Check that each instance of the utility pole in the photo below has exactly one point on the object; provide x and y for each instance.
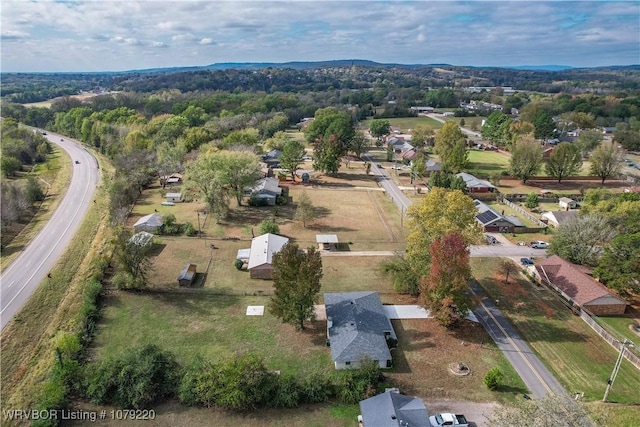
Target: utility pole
(616, 367)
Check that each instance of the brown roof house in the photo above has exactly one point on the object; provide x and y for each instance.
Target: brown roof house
(261, 254)
(579, 287)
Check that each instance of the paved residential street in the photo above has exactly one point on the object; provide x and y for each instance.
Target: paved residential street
(22, 277)
(535, 375)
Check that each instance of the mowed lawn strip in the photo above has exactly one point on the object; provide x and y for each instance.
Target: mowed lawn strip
(576, 355)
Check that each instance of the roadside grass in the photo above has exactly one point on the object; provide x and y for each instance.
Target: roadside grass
(576, 355)
(56, 172)
(616, 415)
(27, 345)
(483, 164)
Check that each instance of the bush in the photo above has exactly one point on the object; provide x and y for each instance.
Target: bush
(33, 191)
(256, 202)
(316, 388)
(238, 263)
(493, 379)
(532, 201)
(287, 392)
(169, 225)
(281, 200)
(138, 379)
(189, 230)
(269, 226)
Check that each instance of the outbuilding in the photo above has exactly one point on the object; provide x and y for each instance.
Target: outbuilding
(327, 242)
(567, 203)
(187, 274)
(149, 223)
(174, 197)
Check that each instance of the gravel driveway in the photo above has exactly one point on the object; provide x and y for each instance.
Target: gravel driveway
(476, 413)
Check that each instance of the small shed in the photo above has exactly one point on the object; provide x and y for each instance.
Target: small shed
(187, 274)
(327, 242)
(149, 223)
(174, 197)
(567, 203)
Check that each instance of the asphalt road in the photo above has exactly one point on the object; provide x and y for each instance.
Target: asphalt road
(21, 278)
(535, 375)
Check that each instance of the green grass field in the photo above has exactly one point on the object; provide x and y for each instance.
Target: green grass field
(487, 163)
(576, 355)
(406, 123)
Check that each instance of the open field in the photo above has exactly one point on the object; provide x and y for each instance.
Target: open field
(406, 123)
(48, 103)
(487, 163)
(567, 186)
(576, 355)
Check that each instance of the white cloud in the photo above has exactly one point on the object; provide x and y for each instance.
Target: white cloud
(579, 33)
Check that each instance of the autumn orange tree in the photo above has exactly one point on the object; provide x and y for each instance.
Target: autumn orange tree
(444, 291)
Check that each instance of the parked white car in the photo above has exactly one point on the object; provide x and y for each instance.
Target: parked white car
(539, 245)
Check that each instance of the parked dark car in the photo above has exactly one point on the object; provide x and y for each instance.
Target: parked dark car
(526, 261)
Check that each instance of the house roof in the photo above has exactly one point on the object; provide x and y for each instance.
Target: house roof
(392, 409)
(266, 185)
(151, 220)
(263, 247)
(356, 324)
(326, 238)
(433, 166)
(560, 217)
(174, 195)
(566, 200)
(487, 216)
(473, 182)
(568, 278)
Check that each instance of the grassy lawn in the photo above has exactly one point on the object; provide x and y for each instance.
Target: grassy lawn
(619, 327)
(406, 123)
(577, 356)
(487, 163)
(512, 186)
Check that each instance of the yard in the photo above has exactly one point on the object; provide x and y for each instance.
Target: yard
(576, 355)
(567, 186)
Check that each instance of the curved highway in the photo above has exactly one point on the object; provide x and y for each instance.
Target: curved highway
(21, 278)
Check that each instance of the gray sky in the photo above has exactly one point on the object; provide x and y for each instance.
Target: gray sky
(101, 35)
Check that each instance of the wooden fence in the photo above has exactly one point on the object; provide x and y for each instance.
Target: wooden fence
(523, 212)
(615, 343)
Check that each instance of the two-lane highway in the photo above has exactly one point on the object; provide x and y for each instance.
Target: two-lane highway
(20, 279)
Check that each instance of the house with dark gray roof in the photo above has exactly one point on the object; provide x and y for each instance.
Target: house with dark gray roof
(357, 328)
(392, 409)
(493, 222)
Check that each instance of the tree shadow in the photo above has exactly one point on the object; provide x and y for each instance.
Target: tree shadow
(192, 303)
(156, 249)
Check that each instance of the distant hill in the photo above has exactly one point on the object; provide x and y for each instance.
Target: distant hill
(541, 67)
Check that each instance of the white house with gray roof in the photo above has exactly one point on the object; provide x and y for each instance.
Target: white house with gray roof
(392, 409)
(357, 328)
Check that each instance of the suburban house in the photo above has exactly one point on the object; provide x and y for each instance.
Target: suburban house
(261, 254)
(432, 166)
(150, 223)
(267, 188)
(567, 203)
(357, 328)
(187, 274)
(578, 287)
(422, 110)
(401, 148)
(492, 222)
(174, 197)
(272, 157)
(392, 409)
(327, 242)
(557, 218)
(475, 185)
(174, 178)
